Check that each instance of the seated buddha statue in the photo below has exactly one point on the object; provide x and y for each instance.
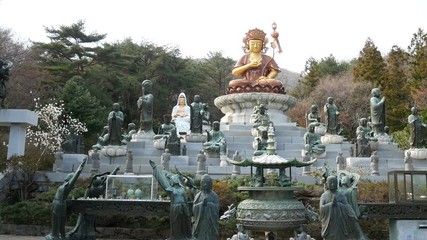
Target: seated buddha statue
(258, 71)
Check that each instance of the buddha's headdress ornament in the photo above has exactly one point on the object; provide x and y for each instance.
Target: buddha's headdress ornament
(257, 34)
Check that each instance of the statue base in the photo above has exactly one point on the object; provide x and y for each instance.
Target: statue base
(314, 155)
(359, 162)
(238, 107)
(223, 161)
(195, 137)
(160, 143)
(142, 136)
(383, 139)
(321, 130)
(418, 153)
(332, 139)
(113, 151)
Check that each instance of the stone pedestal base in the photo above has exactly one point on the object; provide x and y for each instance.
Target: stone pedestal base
(195, 137)
(383, 139)
(321, 130)
(418, 153)
(332, 139)
(113, 151)
(238, 107)
(142, 136)
(223, 161)
(314, 155)
(159, 144)
(357, 162)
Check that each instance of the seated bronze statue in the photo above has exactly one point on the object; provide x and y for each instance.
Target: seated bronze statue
(257, 69)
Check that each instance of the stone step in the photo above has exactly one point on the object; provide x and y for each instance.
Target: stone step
(246, 127)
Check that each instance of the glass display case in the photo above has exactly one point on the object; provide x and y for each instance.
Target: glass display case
(407, 186)
(136, 187)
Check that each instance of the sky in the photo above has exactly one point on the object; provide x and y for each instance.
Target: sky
(307, 28)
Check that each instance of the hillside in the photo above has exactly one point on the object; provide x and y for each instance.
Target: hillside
(289, 79)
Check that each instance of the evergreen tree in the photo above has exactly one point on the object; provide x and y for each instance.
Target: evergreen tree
(330, 66)
(396, 89)
(418, 59)
(370, 65)
(314, 71)
(69, 52)
(80, 104)
(311, 76)
(216, 74)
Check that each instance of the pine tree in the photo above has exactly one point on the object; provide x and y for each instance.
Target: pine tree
(418, 59)
(370, 65)
(69, 52)
(396, 89)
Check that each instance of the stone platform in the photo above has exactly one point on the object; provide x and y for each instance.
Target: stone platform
(239, 107)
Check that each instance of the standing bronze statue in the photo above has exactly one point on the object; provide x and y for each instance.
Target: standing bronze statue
(377, 112)
(206, 211)
(115, 124)
(5, 67)
(180, 219)
(145, 107)
(417, 129)
(59, 209)
(197, 115)
(332, 123)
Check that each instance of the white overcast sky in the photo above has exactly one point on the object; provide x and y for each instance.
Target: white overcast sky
(307, 28)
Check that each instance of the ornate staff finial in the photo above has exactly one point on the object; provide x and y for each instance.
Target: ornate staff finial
(275, 43)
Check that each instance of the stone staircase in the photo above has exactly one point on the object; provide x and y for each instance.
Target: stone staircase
(289, 140)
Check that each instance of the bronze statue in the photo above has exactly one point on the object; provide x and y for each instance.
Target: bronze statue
(333, 125)
(417, 129)
(216, 140)
(131, 131)
(5, 67)
(85, 226)
(377, 112)
(115, 124)
(180, 219)
(197, 115)
(145, 106)
(206, 211)
(313, 116)
(312, 141)
(258, 71)
(59, 210)
(363, 139)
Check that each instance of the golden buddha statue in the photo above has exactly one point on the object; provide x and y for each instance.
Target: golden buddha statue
(257, 69)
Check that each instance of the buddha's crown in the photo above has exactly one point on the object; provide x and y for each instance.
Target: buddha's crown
(255, 34)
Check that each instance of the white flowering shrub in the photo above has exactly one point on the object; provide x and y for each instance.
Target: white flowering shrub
(53, 127)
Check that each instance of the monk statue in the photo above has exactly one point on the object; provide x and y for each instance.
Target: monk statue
(257, 70)
(5, 67)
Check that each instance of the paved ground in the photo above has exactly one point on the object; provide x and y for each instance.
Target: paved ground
(11, 237)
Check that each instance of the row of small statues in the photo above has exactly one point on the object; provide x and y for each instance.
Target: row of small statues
(333, 124)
